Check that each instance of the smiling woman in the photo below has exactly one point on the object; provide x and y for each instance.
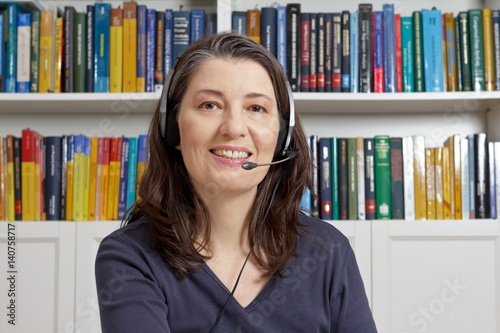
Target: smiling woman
(204, 224)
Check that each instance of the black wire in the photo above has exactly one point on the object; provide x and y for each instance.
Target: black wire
(219, 316)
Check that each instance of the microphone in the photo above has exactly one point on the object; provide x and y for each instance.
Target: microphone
(290, 154)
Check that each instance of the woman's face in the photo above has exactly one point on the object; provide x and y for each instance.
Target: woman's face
(228, 116)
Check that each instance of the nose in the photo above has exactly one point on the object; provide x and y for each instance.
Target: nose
(234, 123)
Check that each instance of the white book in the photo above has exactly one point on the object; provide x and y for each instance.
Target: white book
(408, 181)
(23, 53)
(497, 174)
(361, 178)
(492, 181)
(464, 171)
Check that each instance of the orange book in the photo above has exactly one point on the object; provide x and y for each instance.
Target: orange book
(112, 178)
(430, 172)
(3, 183)
(438, 159)
(28, 186)
(451, 51)
(129, 46)
(445, 57)
(116, 51)
(253, 24)
(46, 53)
(94, 141)
(117, 177)
(446, 184)
(58, 55)
(453, 143)
(419, 177)
(489, 60)
(104, 179)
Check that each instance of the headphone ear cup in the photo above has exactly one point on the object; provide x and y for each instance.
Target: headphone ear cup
(281, 140)
(172, 129)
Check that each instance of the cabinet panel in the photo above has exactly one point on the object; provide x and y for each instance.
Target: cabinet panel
(41, 278)
(436, 276)
(89, 236)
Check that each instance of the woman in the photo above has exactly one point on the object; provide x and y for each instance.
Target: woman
(173, 266)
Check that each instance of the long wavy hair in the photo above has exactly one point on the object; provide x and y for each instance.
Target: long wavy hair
(176, 213)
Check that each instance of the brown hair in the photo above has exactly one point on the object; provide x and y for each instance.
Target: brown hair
(176, 213)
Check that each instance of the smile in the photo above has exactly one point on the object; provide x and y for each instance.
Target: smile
(230, 154)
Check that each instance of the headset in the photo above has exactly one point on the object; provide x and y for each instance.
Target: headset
(169, 128)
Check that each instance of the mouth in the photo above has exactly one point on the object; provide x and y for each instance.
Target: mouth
(231, 154)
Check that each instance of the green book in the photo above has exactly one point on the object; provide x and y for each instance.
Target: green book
(458, 51)
(418, 52)
(334, 176)
(407, 47)
(35, 49)
(476, 49)
(463, 25)
(383, 176)
(79, 51)
(352, 178)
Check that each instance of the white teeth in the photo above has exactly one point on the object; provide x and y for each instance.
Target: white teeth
(231, 154)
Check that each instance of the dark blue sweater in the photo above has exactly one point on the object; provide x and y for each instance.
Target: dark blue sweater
(322, 291)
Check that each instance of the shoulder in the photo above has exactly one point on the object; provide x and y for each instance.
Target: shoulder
(321, 232)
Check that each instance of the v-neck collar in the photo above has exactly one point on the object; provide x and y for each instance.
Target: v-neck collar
(261, 295)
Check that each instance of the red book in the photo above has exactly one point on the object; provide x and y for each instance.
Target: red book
(399, 54)
(28, 175)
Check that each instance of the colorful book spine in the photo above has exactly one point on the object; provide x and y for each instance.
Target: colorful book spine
(476, 49)
(370, 198)
(69, 28)
(409, 186)
(150, 49)
(444, 52)
(169, 35)
(334, 176)
(112, 178)
(253, 24)
(305, 202)
(10, 179)
(497, 177)
(324, 147)
(281, 37)
(378, 52)
(103, 214)
(98, 190)
(481, 176)
(92, 171)
(465, 51)
(438, 169)
(447, 211)
(118, 166)
(352, 180)
(101, 46)
(116, 51)
(70, 177)
(316, 194)
(456, 169)
(321, 45)
(239, 22)
(389, 48)
(360, 154)
(2, 20)
(64, 174)
(268, 25)
(397, 185)
(124, 167)
(418, 53)
(399, 53)
(142, 156)
(305, 52)
(10, 36)
(181, 32)
(23, 53)
(160, 48)
(472, 176)
(451, 52)
(197, 26)
(129, 46)
(4, 214)
(17, 179)
(495, 16)
(491, 181)
(365, 49)
(46, 64)
(132, 173)
(28, 175)
(293, 45)
(430, 180)
(354, 52)
(458, 55)
(407, 57)
(346, 51)
(432, 33)
(328, 41)
(78, 177)
(464, 175)
(489, 59)
(419, 177)
(141, 48)
(343, 179)
(79, 52)
(89, 67)
(58, 56)
(383, 176)
(313, 66)
(53, 160)
(336, 53)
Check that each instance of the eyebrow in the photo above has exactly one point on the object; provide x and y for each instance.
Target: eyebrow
(221, 94)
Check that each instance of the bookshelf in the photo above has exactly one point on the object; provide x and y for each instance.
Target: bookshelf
(440, 251)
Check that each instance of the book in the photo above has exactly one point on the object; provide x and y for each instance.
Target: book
(315, 191)
(382, 150)
(365, 49)
(23, 53)
(79, 52)
(132, 173)
(10, 37)
(160, 47)
(169, 35)
(354, 49)
(305, 202)
(142, 157)
(313, 65)
(334, 178)
(352, 180)
(497, 176)
(53, 158)
(103, 214)
(438, 171)
(239, 22)
(481, 176)
(444, 52)
(489, 60)
(116, 51)
(321, 46)
(389, 48)
(118, 166)
(93, 179)
(102, 20)
(472, 176)
(98, 179)
(433, 50)
(452, 84)
(399, 53)
(34, 50)
(419, 177)
(418, 53)
(129, 69)
(397, 185)
(465, 50)
(464, 175)
(268, 29)
(197, 25)
(491, 181)
(476, 49)
(430, 179)
(10, 178)
(210, 24)
(253, 24)
(336, 52)
(28, 175)
(458, 50)
(407, 56)
(79, 172)
(343, 176)
(328, 49)
(58, 57)
(69, 40)
(408, 184)
(181, 32)
(141, 48)
(305, 52)
(281, 38)
(378, 52)
(89, 67)
(447, 184)
(150, 49)
(70, 177)
(64, 174)
(360, 152)
(124, 167)
(324, 148)
(4, 214)
(453, 143)
(112, 179)
(46, 63)
(346, 51)
(496, 46)
(370, 198)
(2, 21)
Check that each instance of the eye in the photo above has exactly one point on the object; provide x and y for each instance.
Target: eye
(208, 106)
(257, 109)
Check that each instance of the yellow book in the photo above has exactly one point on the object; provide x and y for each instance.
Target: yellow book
(140, 171)
(129, 46)
(3, 184)
(46, 53)
(450, 52)
(58, 55)
(86, 180)
(419, 177)
(103, 215)
(489, 60)
(116, 51)
(117, 177)
(10, 179)
(445, 65)
(28, 175)
(430, 171)
(112, 177)
(93, 178)
(446, 184)
(253, 24)
(78, 177)
(449, 143)
(438, 161)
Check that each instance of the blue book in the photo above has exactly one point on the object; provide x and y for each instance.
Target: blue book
(141, 48)
(150, 49)
(305, 203)
(370, 199)
(378, 52)
(142, 148)
(101, 46)
(1, 52)
(324, 148)
(53, 160)
(268, 29)
(23, 53)
(495, 14)
(197, 26)
(472, 177)
(281, 37)
(132, 173)
(11, 48)
(210, 24)
(239, 22)
(389, 49)
(432, 33)
(407, 53)
(491, 183)
(169, 35)
(354, 52)
(89, 67)
(122, 192)
(334, 176)
(181, 32)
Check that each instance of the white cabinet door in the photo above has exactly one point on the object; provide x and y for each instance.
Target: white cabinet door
(359, 235)
(89, 236)
(38, 272)
(436, 276)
